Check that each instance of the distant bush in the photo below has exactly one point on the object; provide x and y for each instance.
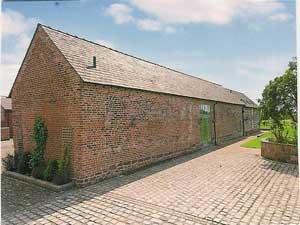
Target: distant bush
(265, 124)
(51, 170)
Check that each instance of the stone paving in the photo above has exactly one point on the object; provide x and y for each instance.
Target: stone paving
(230, 185)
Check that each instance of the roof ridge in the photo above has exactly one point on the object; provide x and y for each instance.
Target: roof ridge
(144, 60)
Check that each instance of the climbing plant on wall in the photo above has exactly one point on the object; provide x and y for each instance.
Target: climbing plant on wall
(40, 138)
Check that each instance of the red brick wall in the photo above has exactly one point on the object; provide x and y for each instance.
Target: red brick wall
(10, 123)
(251, 117)
(279, 152)
(5, 133)
(3, 121)
(228, 122)
(48, 87)
(6, 120)
(125, 129)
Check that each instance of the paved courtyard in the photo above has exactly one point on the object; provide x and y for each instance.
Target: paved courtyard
(229, 185)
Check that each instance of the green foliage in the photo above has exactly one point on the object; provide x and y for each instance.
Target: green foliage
(18, 162)
(23, 165)
(40, 138)
(40, 132)
(9, 162)
(64, 161)
(256, 142)
(279, 102)
(288, 135)
(289, 132)
(63, 174)
(51, 170)
(265, 124)
(38, 171)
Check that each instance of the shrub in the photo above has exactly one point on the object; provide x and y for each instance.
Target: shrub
(63, 173)
(64, 161)
(40, 138)
(23, 165)
(59, 180)
(51, 170)
(9, 162)
(38, 171)
(37, 162)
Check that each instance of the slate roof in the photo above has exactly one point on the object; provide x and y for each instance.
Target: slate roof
(120, 69)
(6, 103)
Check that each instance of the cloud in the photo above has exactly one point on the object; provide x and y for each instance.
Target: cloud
(170, 30)
(263, 68)
(105, 43)
(8, 74)
(149, 25)
(120, 12)
(14, 23)
(16, 29)
(154, 25)
(254, 74)
(203, 11)
(280, 17)
(164, 15)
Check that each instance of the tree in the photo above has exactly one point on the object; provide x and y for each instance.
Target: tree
(279, 99)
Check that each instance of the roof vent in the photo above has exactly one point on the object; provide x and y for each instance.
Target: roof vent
(94, 63)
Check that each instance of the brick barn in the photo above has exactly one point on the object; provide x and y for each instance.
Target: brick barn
(118, 111)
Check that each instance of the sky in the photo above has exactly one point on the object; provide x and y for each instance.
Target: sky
(240, 44)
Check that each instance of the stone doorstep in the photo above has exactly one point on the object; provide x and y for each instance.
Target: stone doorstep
(40, 183)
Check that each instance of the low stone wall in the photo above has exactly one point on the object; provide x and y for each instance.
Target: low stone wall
(41, 183)
(5, 135)
(279, 152)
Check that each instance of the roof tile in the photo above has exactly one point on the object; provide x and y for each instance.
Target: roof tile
(120, 69)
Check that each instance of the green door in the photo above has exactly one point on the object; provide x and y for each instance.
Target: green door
(205, 125)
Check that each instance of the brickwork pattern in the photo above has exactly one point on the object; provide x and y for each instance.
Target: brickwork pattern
(228, 186)
(5, 133)
(280, 152)
(228, 122)
(251, 119)
(48, 87)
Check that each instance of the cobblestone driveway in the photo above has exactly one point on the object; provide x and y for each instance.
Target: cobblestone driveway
(231, 185)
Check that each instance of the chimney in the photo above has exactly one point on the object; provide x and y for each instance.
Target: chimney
(94, 63)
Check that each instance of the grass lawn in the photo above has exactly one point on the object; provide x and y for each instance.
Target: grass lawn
(256, 143)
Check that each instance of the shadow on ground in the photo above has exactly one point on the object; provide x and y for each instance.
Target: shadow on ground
(97, 190)
(18, 196)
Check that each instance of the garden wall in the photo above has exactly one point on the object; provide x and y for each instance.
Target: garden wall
(279, 152)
